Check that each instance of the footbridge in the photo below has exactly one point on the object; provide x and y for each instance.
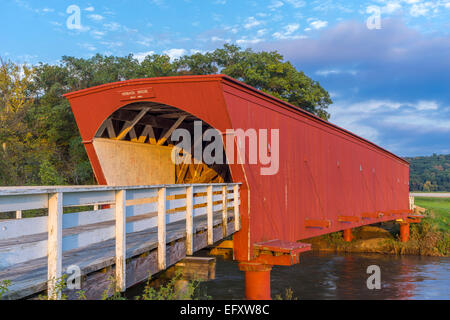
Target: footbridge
(279, 175)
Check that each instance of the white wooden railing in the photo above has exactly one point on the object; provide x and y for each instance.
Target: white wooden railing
(144, 207)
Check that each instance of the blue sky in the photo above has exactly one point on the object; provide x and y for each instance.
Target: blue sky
(389, 84)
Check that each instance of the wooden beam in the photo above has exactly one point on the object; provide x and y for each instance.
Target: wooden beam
(149, 118)
(367, 215)
(121, 243)
(55, 213)
(162, 194)
(169, 132)
(197, 268)
(173, 115)
(101, 129)
(183, 170)
(237, 225)
(224, 212)
(348, 219)
(131, 133)
(209, 213)
(148, 131)
(190, 220)
(207, 175)
(131, 124)
(110, 127)
(315, 223)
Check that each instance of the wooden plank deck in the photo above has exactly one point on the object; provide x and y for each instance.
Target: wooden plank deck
(30, 277)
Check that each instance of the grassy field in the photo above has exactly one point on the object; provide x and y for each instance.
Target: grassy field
(439, 209)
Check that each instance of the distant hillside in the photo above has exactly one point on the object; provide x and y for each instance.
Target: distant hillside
(429, 173)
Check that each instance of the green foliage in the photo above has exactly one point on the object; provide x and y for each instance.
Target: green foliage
(175, 289)
(59, 285)
(288, 295)
(335, 239)
(49, 175)
(428, 239)
(112, 293)
(438, 211)
(430, 173)
(266, 71)
(4, 284)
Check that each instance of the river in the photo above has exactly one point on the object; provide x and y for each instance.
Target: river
(344, 276)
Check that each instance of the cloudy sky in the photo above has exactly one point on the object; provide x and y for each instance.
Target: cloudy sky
(385, 63)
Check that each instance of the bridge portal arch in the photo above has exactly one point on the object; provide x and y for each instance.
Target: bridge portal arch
(135, 145)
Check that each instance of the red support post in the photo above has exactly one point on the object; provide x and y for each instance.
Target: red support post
(348, 236)
(404, 232)
(257, 280)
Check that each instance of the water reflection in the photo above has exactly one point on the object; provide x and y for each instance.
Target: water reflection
(334, 276)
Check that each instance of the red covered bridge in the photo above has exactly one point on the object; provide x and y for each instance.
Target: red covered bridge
(288, 176)
(328, 179)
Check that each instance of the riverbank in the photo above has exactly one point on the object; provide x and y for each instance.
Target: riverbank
(429, 238)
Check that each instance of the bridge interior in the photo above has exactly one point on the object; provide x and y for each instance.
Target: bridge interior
(150, 126)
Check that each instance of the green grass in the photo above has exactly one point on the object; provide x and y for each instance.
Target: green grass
(439, 209)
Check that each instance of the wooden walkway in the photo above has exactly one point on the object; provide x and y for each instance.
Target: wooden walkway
(195, 216)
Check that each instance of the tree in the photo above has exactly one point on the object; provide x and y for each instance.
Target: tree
(15, 101)
(266, 71)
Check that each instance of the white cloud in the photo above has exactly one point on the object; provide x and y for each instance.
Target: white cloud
(175, 53)
(391, 7)
(140, 56)
(318, 24)
(296, 3)
(252, 22)
(96, 17)
(87, 46)
(288, 32)
(261, 32)
(89, 9)
(97, 34)
(157, 2)
(112, 26)
(112, 44)
(419, 10)
(275, 5)
(219, 39)
(426, 105)
(370, 118)
(47, 10)
(146, 41)
(245, 41)
(327, 72)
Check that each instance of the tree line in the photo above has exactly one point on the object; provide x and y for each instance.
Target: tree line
(429, 173)
(39, 139)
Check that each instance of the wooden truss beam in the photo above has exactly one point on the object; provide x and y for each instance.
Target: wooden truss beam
(129, 125)
(148, 131)
(172, 128)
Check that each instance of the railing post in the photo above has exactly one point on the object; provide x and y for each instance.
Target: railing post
(224, 212)
(54, 246)
(19, 214)
(121, 243)
(236, 208)
(190, 220)
(209, 213)
(162, 193)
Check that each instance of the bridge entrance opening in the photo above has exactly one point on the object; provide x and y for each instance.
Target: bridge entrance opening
(134, 146)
